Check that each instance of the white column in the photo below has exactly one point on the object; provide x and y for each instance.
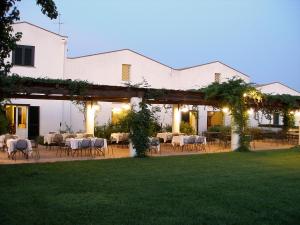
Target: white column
(235, 138)
(134, 102)
(90, 118)
(176, 119)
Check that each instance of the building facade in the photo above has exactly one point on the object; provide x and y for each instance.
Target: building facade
(42, 53)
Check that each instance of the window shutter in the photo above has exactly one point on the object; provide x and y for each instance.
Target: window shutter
(17, 56)
(28, 57)
(217, 77)
(125, 72)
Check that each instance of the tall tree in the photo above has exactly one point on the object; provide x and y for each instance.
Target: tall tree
(9, 13)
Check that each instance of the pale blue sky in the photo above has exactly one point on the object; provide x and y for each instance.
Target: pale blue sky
(258, 37)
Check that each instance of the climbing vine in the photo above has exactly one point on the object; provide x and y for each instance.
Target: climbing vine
(237, 96)
(284, 105)
(10, 83)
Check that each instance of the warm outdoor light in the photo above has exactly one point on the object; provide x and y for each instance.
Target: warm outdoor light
(292, 112)
(245, 95)
(185, 109)
(297, 113)
(250, 111)
(116, 110)
(126, 106)
(225, 110)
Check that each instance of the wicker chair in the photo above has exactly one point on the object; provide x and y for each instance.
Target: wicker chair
(199, 143)
(57, 141)
(99, 147)
(190, 142)
(154, 145)
(35, 150)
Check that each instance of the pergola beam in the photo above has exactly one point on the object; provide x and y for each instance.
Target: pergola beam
(107, 93)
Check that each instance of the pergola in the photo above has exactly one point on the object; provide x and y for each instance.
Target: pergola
(106, 93)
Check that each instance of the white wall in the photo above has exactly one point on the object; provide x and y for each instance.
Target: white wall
(49, 52)
(201, 76)
(106, 68)
(277, 88)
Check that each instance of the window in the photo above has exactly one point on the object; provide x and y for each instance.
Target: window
(276, 119)
(23, 55)
(126, 72)
(217, 77)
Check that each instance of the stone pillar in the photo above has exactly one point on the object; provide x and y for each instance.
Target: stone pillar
(235, 138)
(134, 102)
(176, 119)
(90, 118)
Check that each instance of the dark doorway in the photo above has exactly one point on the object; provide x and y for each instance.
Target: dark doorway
(33, 122)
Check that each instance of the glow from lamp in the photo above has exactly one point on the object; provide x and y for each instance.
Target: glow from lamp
(126, 106)
(185, 109)
(250, 111)
(116, 110)
(225, 110)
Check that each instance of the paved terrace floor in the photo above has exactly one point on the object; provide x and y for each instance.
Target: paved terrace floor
(50, 155)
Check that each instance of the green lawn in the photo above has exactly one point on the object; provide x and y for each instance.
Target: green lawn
(226, 188)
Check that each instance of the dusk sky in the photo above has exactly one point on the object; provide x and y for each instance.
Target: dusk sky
(258, 37)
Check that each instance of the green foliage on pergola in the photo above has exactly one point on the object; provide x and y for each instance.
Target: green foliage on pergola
(240, 97)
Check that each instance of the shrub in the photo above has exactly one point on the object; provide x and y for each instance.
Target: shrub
(167, 128)
(186, 128)
(220, 128)
(104, 131)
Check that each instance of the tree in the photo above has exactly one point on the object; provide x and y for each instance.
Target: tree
(9, 14)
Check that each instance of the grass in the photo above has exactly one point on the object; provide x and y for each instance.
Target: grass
(226, 188)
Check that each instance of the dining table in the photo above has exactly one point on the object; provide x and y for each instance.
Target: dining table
(166, 136)
(181, 139)
(11, 146)
(117, 137)
(75, 143)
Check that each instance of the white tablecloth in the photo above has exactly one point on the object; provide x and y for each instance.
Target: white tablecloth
(179, 140)
(119, 137)
(167, 136)
(75, 142)
(11, 145)
(48, 138)
(2, 139)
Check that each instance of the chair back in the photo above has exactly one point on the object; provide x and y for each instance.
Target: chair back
(71, 136)
(99, 143)
(154, 142)
(191, 140)
(199, 140)
(86, 143)
(88, 135)
(21, 144)
(58, 138)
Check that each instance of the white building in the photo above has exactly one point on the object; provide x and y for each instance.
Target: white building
(42, 53)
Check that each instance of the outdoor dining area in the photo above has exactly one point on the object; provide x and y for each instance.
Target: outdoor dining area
(56, 146)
